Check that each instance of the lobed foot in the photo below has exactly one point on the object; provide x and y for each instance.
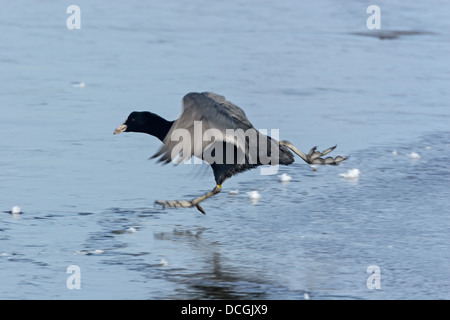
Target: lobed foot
(179, 204)
(188, 204)
(314, 156)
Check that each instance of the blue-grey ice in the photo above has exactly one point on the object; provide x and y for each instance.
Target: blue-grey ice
(309, 69)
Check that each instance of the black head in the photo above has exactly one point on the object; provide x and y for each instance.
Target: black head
(145, 122)
(136, 122)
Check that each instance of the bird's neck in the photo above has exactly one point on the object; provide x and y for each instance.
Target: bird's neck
(160, 128)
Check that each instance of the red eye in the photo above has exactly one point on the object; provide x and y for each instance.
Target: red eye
(132, 119)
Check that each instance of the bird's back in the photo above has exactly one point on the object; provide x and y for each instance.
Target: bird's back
(214, 105)
(240, 161)
(213, 111)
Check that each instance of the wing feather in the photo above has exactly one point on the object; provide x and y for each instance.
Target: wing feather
(212, 111)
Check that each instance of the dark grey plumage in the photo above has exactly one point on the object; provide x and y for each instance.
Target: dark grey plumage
(215, 112)
(237, 146)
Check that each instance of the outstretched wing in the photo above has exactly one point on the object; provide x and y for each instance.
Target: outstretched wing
(202, 112)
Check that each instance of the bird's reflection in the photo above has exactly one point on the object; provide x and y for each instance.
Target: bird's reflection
(217, 280)
(221, 283)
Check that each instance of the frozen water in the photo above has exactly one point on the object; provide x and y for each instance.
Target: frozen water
(310, 69)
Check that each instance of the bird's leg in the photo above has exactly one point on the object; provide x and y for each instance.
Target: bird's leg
(313, 157)
(187, 204)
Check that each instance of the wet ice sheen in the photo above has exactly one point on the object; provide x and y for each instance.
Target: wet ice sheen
(300, 67)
